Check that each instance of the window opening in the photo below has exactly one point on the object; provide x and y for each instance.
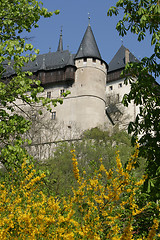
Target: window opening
(53, 116)
(48, 94)
(110, 88)
(117, 97)
(61, 92)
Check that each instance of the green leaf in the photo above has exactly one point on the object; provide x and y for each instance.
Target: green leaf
(57, 12)
(149, 187)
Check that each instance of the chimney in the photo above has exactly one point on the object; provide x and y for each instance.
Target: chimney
(126, 56)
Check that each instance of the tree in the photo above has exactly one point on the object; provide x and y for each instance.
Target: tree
(101, 206)
(94, 144)
(17, 17)
(142, 17)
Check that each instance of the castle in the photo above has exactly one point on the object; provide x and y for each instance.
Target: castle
(96, 91)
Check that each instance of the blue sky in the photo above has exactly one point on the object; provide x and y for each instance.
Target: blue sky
(74, 19)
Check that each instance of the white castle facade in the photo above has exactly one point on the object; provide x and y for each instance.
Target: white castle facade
(96, 91)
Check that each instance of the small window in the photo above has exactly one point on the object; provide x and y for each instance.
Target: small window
(53, 115)
(110, 88)
(48, 94)
(85, 59)
(117, 97)
(94, 60)
(61, 92)
(120, 85)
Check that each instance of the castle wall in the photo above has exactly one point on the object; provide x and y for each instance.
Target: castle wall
(84, 107)
(115, 91)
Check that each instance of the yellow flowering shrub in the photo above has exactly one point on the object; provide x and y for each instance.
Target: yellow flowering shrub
(101, 207)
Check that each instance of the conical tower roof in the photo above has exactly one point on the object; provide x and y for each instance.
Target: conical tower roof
(88, 47)
(118, 60)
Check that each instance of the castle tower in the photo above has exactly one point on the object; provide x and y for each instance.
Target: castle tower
(90, 83)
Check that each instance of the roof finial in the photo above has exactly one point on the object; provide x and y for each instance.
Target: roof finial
(89, 18)
(61, 30)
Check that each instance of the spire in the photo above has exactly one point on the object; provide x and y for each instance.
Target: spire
(89, 18)
(88, 46)
(60, 45)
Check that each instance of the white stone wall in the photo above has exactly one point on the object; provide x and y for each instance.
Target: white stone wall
(114, 92)
(90, 82)
(83, 109)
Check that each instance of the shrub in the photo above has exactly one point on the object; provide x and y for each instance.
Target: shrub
(103, 206)
(94, 144)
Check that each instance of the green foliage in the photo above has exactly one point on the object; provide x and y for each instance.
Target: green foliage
(95, 144)
(145, 218)
(102, 206)
(142, 17)
(16, 17)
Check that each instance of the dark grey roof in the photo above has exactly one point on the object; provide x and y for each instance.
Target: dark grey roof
(118, 60)
(52, 60)
(48, 61)
(71, 60)
(88, 46)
